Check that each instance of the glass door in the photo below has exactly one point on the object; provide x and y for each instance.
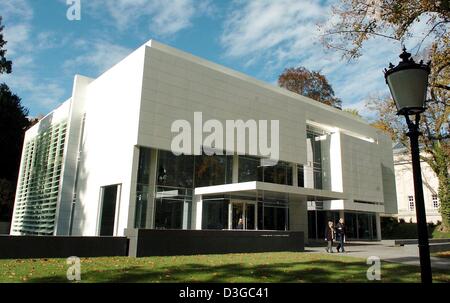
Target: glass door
(242, 215)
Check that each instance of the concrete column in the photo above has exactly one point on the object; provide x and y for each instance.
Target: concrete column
(341, 214)
(298, 215)
(235, 173)
(186, 214)
(294, 175)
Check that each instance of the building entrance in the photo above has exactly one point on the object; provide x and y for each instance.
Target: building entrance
(242, 215)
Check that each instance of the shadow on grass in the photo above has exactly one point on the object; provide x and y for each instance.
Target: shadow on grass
(319, 271)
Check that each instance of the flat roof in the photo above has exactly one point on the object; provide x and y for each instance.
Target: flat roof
(255, 186)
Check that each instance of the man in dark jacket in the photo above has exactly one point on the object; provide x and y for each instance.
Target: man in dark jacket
(340, 235)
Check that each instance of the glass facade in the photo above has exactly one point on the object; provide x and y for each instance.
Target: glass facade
(175, 171)
(172, 208)
(225, 211)
(215, 212)
(255, 169)
(175, 182)
(176, 177)
(358, 225)
(213, 170)
(317, 170)
(143, 191)
(38, 185)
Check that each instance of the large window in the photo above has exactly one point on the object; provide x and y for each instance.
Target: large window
(215, 213)
(255, 169)
(175, 180)
(143, 192)
(300, 176)
(317, 170)
(358, 225)
(175, 171)
(281, 173)
(273, 211)
(249, 169)
(272, 216)
(213, 170)
(172, 208)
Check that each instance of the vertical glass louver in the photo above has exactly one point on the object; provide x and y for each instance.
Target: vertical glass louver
(38, 186)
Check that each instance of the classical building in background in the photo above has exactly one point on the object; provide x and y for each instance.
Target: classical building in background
(101, 163)
(405, 190)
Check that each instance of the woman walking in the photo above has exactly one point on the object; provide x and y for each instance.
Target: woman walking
(329, 236)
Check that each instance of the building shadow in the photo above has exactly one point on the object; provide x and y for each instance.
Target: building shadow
(317, 271)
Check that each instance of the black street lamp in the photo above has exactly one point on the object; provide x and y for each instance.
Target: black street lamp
(408, 83)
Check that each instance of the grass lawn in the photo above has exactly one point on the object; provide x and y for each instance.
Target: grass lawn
(258, 267)
(440, 235)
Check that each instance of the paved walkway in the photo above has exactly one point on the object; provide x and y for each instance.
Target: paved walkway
(386, 251)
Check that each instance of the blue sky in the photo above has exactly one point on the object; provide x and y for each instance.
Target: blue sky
(259, 38)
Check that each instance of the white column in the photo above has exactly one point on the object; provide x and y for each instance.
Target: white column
(198, 200)
(298, 215)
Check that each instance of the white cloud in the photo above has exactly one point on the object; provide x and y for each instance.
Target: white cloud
(260, 25)
(98, 57)
(163, 17)
(23, 47)
(283, 33)
(12, 9)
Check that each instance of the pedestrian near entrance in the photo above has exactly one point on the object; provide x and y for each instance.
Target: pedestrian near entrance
(340, 235)
(240, 224)
(329, 236)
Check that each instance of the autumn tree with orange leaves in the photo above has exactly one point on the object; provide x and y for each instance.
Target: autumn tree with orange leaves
(361, 20)
(311, 84)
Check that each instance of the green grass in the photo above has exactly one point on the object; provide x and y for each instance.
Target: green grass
(440, 235)
(261, 267)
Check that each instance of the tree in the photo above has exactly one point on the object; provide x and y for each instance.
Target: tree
(353, 111)
(361, 20)
(311, 84)
(5, 65)
(13, 123)
(7, 190)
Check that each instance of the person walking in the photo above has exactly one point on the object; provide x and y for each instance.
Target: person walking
(240, 224)
(340, 235)
(329, 236)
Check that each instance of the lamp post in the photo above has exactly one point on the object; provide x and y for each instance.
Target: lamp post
(408, 83)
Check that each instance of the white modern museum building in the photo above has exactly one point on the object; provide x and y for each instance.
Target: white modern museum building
(102, 163)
